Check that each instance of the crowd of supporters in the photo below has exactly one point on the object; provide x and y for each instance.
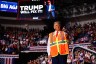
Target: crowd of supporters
(85, 33)
(79, 56)
(82, 33)
(43, 59)
(14, 39)
(84, 57)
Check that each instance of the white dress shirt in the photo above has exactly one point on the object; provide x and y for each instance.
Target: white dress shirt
(49, 8)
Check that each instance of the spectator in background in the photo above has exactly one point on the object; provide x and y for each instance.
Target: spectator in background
(93, 59)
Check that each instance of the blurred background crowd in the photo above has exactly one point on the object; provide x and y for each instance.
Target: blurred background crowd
(82, 33)
(80, 56)
(42, 59)
(14, 39)
(84, 57)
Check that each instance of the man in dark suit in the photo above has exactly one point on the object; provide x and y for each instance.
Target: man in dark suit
(50, 9)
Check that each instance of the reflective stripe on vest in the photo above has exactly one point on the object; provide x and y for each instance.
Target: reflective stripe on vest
(60, 42)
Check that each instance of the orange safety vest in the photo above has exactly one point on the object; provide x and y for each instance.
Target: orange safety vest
(60, 46)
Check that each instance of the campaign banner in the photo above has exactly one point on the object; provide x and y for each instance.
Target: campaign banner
(31, 9)
(36, 10)
(8, 6)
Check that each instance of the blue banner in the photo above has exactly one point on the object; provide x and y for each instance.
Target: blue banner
(8, 6)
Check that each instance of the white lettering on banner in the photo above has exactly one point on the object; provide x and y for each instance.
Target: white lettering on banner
(34, 7)
(21, 7)
(35, 17)
(40, 11)
(4, 6)
(34, 11)
(31, 9)
(26, 12)
(12, 7)
(40, 6)
(26, 8)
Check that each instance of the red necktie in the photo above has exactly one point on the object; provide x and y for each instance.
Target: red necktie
(56, 33)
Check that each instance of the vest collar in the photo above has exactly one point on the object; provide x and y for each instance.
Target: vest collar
(54, 33)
